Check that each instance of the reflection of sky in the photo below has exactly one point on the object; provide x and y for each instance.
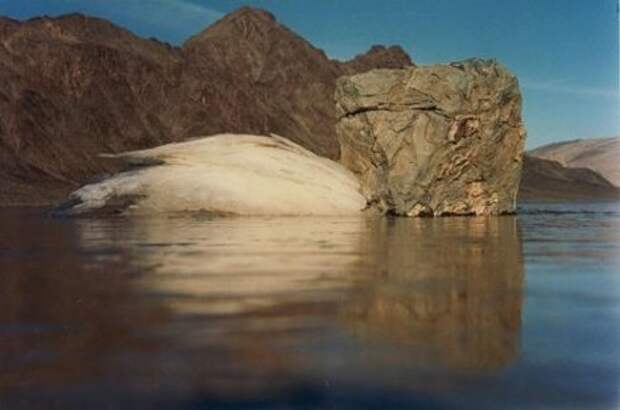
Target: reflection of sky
(564, 52)
(572, 305)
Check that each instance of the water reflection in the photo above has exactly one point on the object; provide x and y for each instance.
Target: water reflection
(254, 307)
(232, 266)
(452, 287)
(65, 320)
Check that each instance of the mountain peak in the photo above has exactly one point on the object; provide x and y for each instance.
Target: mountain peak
(378, 56)
(245, 22)
(252, 13)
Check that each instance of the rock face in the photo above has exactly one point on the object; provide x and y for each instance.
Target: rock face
(435, 140)
(74, 86)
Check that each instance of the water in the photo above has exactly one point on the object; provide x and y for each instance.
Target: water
(192, 312)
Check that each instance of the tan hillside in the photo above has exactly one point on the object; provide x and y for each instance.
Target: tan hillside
(601, 155)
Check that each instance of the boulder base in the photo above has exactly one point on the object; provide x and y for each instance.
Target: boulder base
(434, 140)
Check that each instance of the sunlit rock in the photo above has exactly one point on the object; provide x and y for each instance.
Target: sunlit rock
(434, 140)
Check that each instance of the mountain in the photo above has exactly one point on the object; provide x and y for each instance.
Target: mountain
(547, 180)
(600, 155)
(76, 86)
(73, 87)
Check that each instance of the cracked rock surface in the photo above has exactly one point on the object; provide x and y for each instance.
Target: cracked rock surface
(434, 140)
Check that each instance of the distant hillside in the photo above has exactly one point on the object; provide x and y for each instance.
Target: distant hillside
(545, 180)
(600, 155)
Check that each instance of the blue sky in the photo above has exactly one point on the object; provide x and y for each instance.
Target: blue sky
(565, 52)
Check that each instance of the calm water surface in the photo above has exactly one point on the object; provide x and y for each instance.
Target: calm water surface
(358, 313)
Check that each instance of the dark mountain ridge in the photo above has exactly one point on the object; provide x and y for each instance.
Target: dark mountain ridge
(72, 87)
(75, 86)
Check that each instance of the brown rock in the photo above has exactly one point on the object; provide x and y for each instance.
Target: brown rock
(435, 140)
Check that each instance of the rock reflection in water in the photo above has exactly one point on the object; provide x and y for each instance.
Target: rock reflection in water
(452, 287)
(246, 292)
(237, 265)
(106, 310)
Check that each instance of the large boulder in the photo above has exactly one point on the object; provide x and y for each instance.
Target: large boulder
(434, 140)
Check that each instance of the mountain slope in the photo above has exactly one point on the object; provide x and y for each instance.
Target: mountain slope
(546, 180)
(600, 155)
(76, 86)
